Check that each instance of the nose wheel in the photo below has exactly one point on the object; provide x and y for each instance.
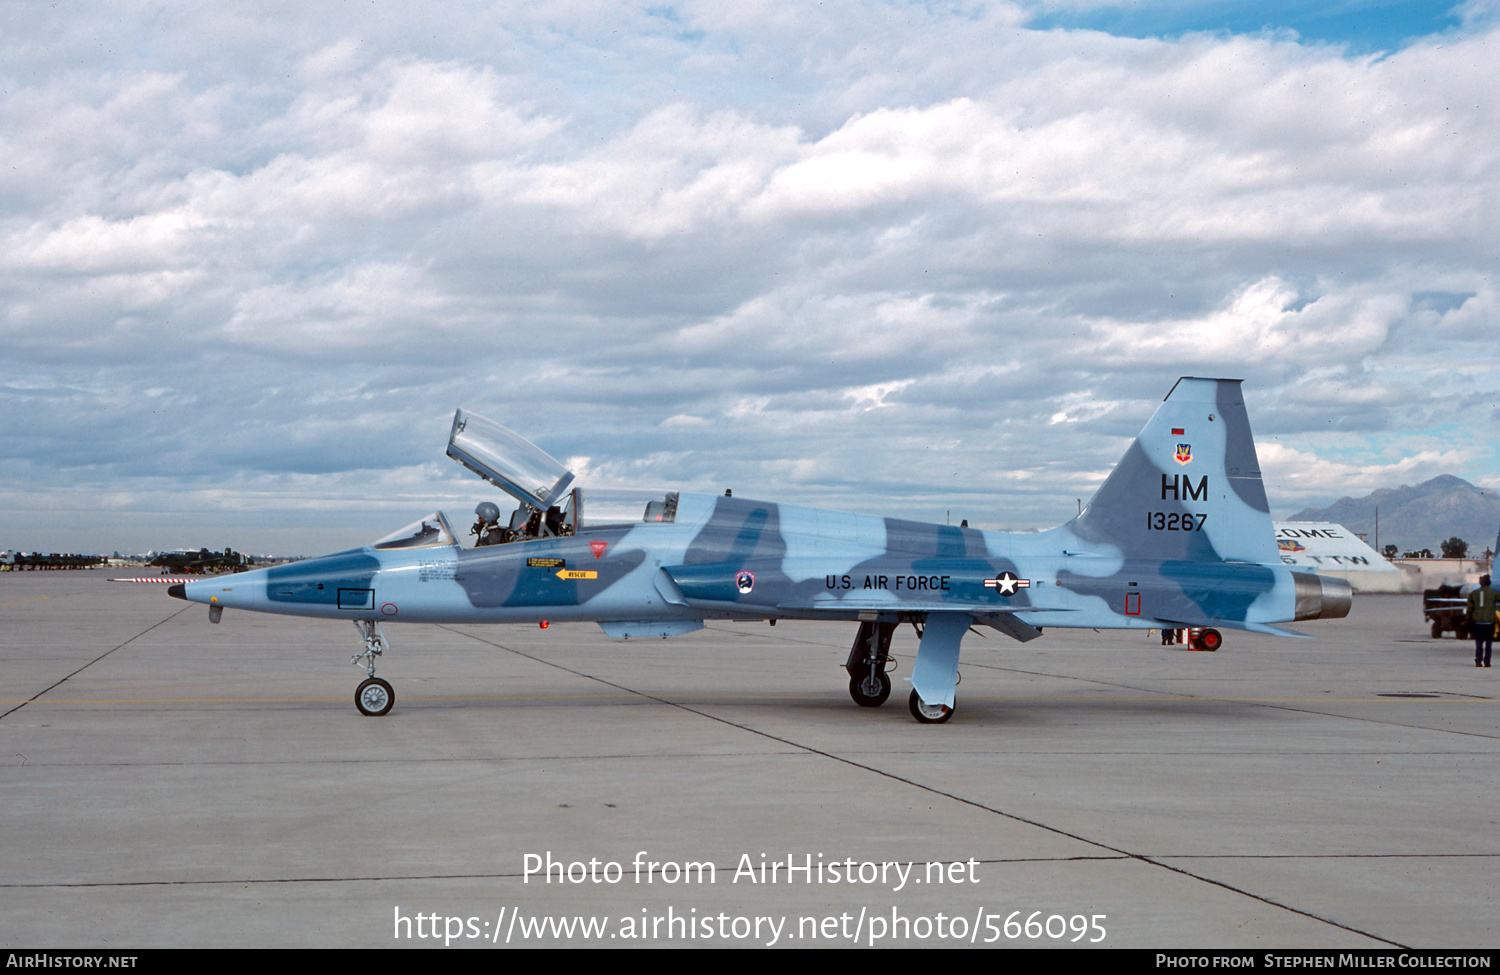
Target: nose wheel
(374, 697)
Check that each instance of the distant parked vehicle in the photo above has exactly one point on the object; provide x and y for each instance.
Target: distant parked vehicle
(1444, 607)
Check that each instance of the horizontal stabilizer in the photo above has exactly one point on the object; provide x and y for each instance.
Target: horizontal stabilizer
(1265, 628)
(1007, 623)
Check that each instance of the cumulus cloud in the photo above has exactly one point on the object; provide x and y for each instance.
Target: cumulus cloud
(1302, 472)
(900, 259)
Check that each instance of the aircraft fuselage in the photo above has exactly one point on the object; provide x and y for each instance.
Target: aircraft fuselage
(728, 558)
(1179, 536)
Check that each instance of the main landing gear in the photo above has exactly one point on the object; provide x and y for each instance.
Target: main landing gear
(927, 713)
(869, 684)
(374, 696)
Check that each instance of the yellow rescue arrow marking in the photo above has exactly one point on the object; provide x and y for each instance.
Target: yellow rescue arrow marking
(577, 574)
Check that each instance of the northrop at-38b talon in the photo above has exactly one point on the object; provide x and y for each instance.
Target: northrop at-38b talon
(1178, 537)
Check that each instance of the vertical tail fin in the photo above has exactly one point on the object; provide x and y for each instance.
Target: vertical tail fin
(1189, 486)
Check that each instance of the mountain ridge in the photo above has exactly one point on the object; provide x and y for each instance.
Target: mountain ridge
(1418, 516)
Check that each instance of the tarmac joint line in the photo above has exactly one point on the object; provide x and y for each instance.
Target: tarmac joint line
(1139, 857)
(91, 663)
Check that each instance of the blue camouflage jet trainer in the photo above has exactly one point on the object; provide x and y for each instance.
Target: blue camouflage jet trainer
(1179, 536)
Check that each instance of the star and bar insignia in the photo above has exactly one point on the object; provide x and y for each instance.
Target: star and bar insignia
(1006, 583)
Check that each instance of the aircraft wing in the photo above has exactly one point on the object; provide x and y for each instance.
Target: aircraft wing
(850, 603)
(1002, 619)
(999, 618)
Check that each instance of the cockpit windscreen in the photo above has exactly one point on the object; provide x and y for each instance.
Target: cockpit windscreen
(426, 533)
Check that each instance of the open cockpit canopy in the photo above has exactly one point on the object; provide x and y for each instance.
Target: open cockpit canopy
(507, 460)
(551, 506)
(616, 508)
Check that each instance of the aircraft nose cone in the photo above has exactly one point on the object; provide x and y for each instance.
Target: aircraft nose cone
(178, 591)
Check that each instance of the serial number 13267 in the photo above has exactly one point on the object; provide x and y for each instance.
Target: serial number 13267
(1174, 521)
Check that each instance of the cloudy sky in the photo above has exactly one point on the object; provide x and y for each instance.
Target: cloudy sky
(904, 258)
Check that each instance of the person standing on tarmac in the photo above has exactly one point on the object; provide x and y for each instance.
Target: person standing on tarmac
(1481, 618)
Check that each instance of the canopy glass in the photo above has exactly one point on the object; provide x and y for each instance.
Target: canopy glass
(428, 532)
(507, 460)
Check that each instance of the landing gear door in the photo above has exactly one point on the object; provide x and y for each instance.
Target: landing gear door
(507, 460)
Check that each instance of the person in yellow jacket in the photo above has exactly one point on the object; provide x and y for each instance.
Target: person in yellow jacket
(1481, 619)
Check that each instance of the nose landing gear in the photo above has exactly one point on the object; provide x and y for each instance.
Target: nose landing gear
(374, 696)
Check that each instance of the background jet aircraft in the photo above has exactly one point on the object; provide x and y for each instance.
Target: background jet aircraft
(200, 561)
(1179, 535)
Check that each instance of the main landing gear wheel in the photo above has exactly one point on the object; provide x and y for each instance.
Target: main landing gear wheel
(869, 683)
(928, 713)
(374, 697)
(870, 690)
(1210, 639)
